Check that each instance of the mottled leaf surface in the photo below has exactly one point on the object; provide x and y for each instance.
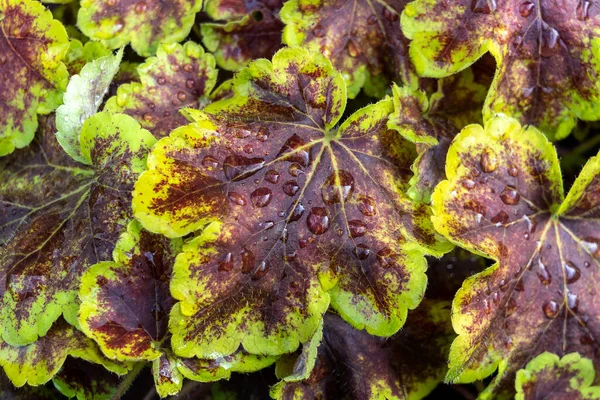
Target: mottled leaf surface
(36, 363)
(362, 38)
(32, 47)
(546, 51)
(58, 217)
(85, 381)
(355, 365)
(83, 97)
(80, 54)
(179, 76)
(504, 199)
(248, 29)
(549, 377)
(295, 207)
(144, 24)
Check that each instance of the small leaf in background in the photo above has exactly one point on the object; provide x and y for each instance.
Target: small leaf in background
(352, 363)
(36, 363)
(295, 206)
(249, 30)
(546, 53)
(85, 381)
(179, 76)
(84, 95)
(549, 377)
(58, 217)
(504, 199)
(362, 39)
(81, 54)
(32, 48)
(144, 24)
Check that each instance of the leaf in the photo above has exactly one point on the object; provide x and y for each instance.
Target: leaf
(84, 95)
(58, 217)
(179, 76)
(251, 29)
(547, 376)
(125, 306)
(32, 46)
(81, 54)
(354, 364)
(85, 381)
(362, 39)
(145, 23)
(504, 199)
(546, 54)
(36, 363)
(291, 207)
(9, 392)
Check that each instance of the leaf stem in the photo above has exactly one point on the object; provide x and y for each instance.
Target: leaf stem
(128, 380)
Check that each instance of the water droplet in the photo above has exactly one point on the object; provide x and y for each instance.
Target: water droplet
(361, 251)
(551, 309)
(247, 260)
(302, 243)
(293, 151)
(511, 307)
(175, 67)
(318, 220)
(500, 219)
(166, 114)
(372, 20)
(290, 257)
(261, 197)
(290, 188)
(390, 15)
(295, 170)
(318, 31)
(366, 205)
(543, 274)
(268, 225)
(297, 213)
(237, 198)
(284, 235)
(513, 171)
(272, 176)
(140, 7)
(147, 117)
(188, 68)
(510, 196)
(227, 263)
(592, 246)
(181, 96)
(337, 187)
(468, 184)
(550, 38)
(572, 301)
(353, 49)
(161, 80)
(519, 286)
(357, 228)
(526, 8)
(572, 273)
(583, 10)
(248, 149)
(209, 162)
(239, 167)
(111, 3)
(488, 161)
(261, 271)
(483, 6)
(190, 83)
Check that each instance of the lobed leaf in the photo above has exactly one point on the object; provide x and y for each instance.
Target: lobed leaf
(290, 208)
(32, 47)
(144, 24)
(179, 76)
(362, 39)
(546, 51)
(548, 376)
(85, 381)
(250, 30)
(504, 199)
(58, 217)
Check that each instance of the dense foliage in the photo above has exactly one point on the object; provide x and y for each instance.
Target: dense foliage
(302, 199)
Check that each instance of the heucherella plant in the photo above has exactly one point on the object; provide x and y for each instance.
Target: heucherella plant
(301, 199)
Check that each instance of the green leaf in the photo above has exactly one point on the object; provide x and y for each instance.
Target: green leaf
(145, 23)
(84, 95)
(251, 29)
(547, 55)
(81, 54)
(179, 76)
(9, 392)
(362, 38)
(504, 200)
(58, 217)
(36, 363)
(291, 207)
(32, 47)
(85, 381)
(354, 364)
(548, 376)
